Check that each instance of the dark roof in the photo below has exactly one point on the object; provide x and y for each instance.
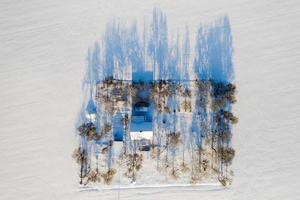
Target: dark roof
(142, 126)
(142, 104)
(91, 107)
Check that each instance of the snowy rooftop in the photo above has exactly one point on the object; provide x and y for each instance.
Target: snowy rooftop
(141, 135)
(140, 126)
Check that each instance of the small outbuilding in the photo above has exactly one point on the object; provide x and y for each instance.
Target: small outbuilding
(141, 133)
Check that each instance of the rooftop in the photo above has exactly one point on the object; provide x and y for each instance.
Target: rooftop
(140, 126)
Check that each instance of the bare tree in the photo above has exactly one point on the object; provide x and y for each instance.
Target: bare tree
(80, 156)
(134, 164)
(108, 176)
(93, 176)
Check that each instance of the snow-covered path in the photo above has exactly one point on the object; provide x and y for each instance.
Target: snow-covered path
(43, 45)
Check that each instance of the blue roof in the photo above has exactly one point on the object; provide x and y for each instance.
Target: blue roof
(142, 126)
(91, 107)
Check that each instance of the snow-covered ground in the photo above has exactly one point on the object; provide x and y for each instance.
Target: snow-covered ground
(43, 46)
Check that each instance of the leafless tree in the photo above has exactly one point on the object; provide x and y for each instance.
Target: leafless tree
(134, 164)
(93, 176)
(108, 176)
(80, 156)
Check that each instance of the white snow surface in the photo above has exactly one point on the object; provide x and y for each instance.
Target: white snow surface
(43, 46)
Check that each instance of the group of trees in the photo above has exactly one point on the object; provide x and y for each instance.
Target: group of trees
(96, 136)
(170, 98)
(205, 146)
(223, 96)
(192, 118)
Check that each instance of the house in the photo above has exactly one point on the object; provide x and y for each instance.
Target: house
(141, 132)
(140, 126)
(90, 111)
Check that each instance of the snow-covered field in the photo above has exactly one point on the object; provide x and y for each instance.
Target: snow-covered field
(43, 46)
